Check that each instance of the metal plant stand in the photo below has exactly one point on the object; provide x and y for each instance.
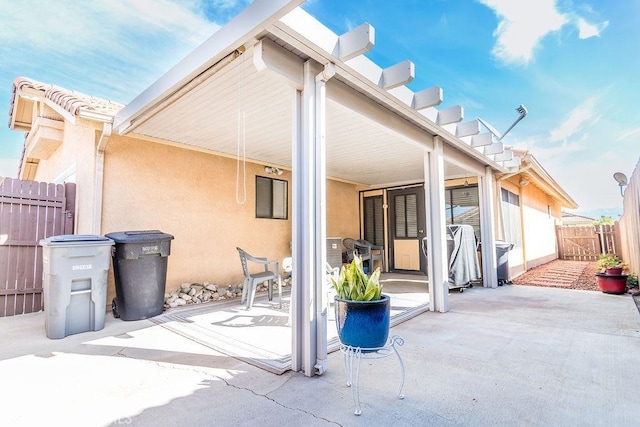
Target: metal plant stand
(352, 354)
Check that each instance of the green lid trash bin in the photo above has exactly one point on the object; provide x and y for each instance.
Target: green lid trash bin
(75, 268)
(140, 272)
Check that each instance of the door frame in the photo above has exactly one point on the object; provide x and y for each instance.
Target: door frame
(418, 190)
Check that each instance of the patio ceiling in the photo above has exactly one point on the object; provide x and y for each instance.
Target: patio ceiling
(242, 108)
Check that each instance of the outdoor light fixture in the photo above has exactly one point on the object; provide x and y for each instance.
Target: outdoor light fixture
(273, 170)
(621, 179)
(523, 182)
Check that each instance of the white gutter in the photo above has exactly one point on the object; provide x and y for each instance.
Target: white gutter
(99, 178)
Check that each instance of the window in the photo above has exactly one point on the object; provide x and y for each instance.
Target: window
(374, 220)
(511, 215)
(271, 198)
(462, 207)
(406, 216)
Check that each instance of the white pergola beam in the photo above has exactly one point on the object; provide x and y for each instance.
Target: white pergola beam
(450, 115)
(482, 139)
(506, 155)
(468, 128)
(355, 42)
(269, 56)
(495, 148)
(513, 163)
(426, 98)
(397, 75)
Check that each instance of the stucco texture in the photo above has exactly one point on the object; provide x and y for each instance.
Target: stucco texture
(194, 197)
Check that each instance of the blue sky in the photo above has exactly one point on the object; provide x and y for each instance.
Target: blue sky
(574, 64)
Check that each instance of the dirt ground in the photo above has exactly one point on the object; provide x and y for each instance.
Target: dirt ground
(562, 274)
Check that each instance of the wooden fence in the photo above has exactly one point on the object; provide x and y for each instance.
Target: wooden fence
(586, 242)
(630, 222)
(29, 211)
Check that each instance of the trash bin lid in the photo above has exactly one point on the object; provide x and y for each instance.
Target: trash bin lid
(504, 245)
(75, 240)
(139, 236)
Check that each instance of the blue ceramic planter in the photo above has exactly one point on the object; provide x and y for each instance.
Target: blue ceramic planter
(363, 324)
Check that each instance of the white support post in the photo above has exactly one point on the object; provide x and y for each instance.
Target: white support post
(436, 224)
(321, 217)
(308, 246)
(487, 205)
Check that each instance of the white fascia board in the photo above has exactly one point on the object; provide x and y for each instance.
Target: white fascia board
(457, 158)
(246, 25)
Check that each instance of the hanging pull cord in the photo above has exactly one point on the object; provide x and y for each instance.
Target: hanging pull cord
(241, 161)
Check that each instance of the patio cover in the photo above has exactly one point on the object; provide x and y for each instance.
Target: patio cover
(287, 91)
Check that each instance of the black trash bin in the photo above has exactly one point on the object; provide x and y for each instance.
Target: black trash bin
(140, 270)
(502, 261)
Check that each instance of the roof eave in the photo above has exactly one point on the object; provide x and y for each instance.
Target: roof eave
(246, 25)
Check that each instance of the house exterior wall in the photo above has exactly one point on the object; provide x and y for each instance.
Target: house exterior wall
(539, 215)
(192, 196)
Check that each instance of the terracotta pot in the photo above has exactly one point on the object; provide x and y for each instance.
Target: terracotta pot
(363, 324)
(614, 271)
(612, 283)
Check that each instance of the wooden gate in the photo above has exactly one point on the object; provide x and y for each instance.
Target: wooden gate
(29, 211)
(586, 242)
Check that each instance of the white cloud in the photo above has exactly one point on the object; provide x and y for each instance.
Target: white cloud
(581, 116)
(587, 30)
(524, 23)
(68, 27)
(629, 134)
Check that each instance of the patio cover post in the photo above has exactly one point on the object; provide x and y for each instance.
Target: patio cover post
(487, 204)
(309, 228)
(438, 266)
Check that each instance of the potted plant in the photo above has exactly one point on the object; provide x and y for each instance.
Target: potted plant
(611, 264)
(611, 278)
(362, 311)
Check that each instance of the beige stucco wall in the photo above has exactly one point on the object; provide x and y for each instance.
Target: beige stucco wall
(192, 195)
(539, 214)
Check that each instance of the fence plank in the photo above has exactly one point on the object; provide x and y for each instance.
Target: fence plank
(29, 211)
(585, 243)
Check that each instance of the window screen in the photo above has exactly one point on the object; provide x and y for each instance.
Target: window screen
(271, 198)
(406, 216)
(373, 220)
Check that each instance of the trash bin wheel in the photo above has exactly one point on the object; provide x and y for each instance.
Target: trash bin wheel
(461, 290)
(114, 308)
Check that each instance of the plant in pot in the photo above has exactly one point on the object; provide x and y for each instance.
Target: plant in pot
(611, 264)
(611, 278)
(362, 311)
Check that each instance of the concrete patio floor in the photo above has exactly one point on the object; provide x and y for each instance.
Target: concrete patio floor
(515, 355)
